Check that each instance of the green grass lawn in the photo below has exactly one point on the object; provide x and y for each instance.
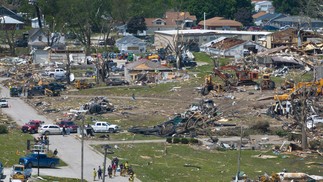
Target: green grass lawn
(151, 164)
(13, 146)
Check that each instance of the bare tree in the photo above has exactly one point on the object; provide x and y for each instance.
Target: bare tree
(8, 33)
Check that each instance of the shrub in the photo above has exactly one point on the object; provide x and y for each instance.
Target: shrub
(194, 141)
(281, 133)
(169, 140)
(184, 141)
(262, 126)
(176, 140)
(315, 144)
(3, 129)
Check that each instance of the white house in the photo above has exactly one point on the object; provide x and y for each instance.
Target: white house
(263, 6)
(131, 44)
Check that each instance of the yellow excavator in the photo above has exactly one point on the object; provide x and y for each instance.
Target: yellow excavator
(314, 88)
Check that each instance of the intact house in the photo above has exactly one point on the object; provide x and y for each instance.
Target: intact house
(10, 20)
(9, 23)
(38, 39)
(163, 39)
(298, 21)
(147, 71)
(131, 44)
(266, 19)
(171, 21)
(232, 47)
(263, 6)
(219, 23)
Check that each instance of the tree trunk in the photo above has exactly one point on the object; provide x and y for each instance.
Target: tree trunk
(303, 120)
(68, 68)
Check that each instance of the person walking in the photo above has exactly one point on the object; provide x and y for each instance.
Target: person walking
(110, 171)
(121, 169)
(114, 168)
(64, 130)
(94, 174)
(99, 173)
(126, 167)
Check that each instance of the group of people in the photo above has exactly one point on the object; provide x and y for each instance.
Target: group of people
(43, 139)
(124, 169)
(65, 130)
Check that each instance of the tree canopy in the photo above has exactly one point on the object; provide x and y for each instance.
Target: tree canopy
(135, 24)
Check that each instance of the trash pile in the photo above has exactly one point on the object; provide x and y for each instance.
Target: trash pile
(197, 120)
(98, 105)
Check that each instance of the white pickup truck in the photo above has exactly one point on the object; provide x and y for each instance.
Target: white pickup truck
(57, 72)
(102, 127)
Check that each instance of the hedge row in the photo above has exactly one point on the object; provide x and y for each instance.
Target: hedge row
(3, 129)
(182, 140)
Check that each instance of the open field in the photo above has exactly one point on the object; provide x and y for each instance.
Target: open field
(152, 164)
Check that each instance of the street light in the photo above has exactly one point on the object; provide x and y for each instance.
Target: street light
(106, 147)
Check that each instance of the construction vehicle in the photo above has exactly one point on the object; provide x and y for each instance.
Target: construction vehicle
(52, 93)
(83, 84)
(313, 89)
(242, 77)
(266, 83)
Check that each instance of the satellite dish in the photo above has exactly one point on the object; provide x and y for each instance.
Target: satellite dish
(72, 77)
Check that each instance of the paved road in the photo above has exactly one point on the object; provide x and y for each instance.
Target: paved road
(69, 147)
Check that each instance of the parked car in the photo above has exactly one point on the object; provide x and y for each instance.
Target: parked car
(20, 172)
(102, 126)
(36, 91)
(1, 171)
(3, 103)
(68, 124)
(48, 129)
(116, 81)
(313, 120)
(31, 160)
(32, 126)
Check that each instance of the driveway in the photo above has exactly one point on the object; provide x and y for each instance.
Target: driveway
(69, 148)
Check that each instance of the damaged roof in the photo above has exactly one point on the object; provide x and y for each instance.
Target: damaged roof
(130, 39)
(285, 59)
(227, 43)
(146, 65)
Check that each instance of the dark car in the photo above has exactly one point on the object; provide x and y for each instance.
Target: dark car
(55, 86)
(116, 81)
(36, 90)
(68, 124)
(21, 43)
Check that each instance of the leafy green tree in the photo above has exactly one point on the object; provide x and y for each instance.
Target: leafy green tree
(291, 7)
(244, 16)
(136, 24)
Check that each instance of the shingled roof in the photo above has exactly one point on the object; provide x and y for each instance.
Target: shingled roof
(170, 19)
(146, 65)
(220, 22)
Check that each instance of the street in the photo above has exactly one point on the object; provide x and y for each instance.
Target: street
(69, 148)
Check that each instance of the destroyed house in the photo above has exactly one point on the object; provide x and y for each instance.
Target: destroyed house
(280, 57)
(291, 37)
(146, 71)
(232, 47)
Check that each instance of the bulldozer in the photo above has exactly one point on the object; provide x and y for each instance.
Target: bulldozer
(83, 84)
(266, 83)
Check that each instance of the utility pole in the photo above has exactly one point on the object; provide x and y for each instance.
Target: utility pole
(82, 149)
(106, 147)
(204, 22)
(38, 162)
(239, 156)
